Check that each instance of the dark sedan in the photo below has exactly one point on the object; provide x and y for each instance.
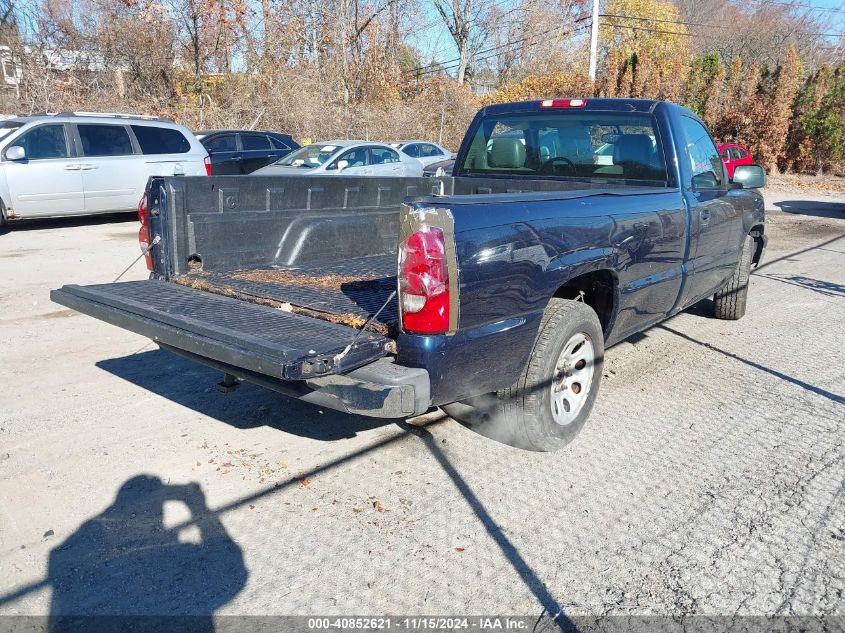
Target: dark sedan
(234, 152)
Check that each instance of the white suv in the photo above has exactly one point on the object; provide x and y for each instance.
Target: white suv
(81, 163)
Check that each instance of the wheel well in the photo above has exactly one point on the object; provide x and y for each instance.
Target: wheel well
(599, 292)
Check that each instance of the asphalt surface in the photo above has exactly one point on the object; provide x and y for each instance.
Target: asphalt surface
(709, 479)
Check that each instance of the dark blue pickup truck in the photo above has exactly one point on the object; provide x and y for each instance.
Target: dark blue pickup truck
(567, 226)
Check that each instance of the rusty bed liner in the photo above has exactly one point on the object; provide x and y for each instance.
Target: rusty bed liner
(348, 293)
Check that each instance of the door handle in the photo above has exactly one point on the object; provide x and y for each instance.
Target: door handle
(236, 157)
(88, 167)
(271, 155)
(704, 215)
(73, 167)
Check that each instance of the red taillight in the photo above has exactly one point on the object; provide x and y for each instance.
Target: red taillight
(424, 283)
(207, 162)
(144, 232)
(563, 103)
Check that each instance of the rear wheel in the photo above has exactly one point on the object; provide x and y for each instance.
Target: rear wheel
(3, 223)
(550, 403)
(729, 303)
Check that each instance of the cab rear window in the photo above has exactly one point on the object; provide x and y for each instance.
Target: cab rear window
(605, 145)
(160, 140)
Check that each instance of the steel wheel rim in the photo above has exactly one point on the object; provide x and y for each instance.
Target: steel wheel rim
(572, 378)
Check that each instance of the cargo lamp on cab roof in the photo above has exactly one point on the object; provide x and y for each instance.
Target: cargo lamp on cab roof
(563, 103)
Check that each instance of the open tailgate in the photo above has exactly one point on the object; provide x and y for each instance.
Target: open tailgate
(259, 338)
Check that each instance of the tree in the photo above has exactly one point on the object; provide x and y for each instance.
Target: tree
(464, 20)
(713, 99)
(633, 35)
(824, 124)
(779, 112)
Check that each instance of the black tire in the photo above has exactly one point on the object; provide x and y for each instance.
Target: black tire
(3, 224)
(729, 303)
(522, 415)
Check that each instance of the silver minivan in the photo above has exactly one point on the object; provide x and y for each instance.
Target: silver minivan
(81, 163)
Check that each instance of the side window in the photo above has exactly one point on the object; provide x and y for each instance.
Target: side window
(104, 140)
(222, 143)
(46, 141)
(430, 150)
(255, 142)
(739, 153)
(355, 157)
(160, 140)
(704, 158)
(383, 155)
(278, 144)
(412, 150)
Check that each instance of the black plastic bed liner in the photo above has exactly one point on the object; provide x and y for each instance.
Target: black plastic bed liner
(349, 292)
(260, 338)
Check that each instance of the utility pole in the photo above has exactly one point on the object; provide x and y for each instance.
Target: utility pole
(594, 40)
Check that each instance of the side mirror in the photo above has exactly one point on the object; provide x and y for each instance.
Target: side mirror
(749, 176)
(15, 152)
(705, 180)
(342, 164)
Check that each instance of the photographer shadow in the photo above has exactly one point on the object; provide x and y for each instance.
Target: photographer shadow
(125, 570)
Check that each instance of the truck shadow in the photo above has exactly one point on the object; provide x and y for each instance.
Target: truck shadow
(124, 569)
(813, 208)
(833, 397)
(36, 224)
(828, 288)
(192, 386)
(703, 308)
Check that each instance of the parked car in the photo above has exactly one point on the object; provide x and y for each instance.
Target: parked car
(440, 168)
(234, 152)
(84, 163)
(734, 154)
(352, 158)
(494, 298)
(604, 155)
(425, 152)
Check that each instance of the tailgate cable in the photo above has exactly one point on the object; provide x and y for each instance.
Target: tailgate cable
(349, 347)
(144, 251)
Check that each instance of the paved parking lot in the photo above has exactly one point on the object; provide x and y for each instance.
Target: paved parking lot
(709, 479)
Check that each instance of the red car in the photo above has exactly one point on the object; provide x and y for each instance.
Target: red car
(734, 154)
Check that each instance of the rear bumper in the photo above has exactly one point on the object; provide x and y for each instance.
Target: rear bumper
(381, 389)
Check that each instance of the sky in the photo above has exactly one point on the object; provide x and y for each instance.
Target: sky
(432, 38)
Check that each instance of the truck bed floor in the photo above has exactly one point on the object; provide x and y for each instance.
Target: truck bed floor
(353, 290)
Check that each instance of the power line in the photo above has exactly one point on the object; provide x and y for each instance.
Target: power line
(799, 5)
(451, 65)
(648, 30)
(698, 24)
(437, 66)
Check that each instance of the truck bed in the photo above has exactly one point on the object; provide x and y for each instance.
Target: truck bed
(348, 292)
(281, 276)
